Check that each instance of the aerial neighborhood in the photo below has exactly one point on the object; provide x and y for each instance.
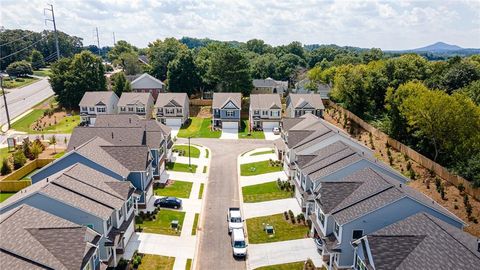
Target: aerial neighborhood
(189, 153)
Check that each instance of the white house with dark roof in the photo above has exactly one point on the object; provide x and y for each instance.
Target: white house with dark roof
(269, 86)
(96, 103)
(226, 108)
(146, 83)
(300, 104)
(87, 197)
(265, 111)
(420, 241)
(140, 104)
(172, 109)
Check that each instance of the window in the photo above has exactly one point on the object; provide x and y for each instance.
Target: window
(337, 229)
(359, 264)
(92, 109)
(321, 217)
(122, 109)
(140, 109)
(120, 213)
(129, 203)
(230, 113)
(109, 222)
(265, 113)
(256, 112)
(88, 266)
(170, 111)
(84, 109)
(101, 109)
(179, 110)
(357, 234)
(130, 109)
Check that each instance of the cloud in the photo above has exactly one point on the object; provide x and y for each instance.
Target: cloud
(385, 24)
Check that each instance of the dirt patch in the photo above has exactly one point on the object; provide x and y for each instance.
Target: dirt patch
(423, 179)
(201, 111)
(49, 153)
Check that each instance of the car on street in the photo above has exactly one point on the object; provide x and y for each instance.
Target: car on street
(276, 130)
(234, 219)
(169, 202)
(239, 246)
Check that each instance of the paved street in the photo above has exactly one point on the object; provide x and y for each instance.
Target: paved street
(20, 100)
(222, 192)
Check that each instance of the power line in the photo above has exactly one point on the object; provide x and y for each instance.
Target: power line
(23, 49)
(54, 28)
(15, 40)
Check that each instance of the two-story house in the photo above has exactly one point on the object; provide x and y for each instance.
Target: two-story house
(269, 86)
(421, 241)
(129, 130)
(265, 111)
(140, 104)
(34, 239)
(300, 104)
(96, 103)
(226, 108)
(363, 202)
(122, 162)
(172, 109)
(146, 83)
(87, 197)
(306, 86)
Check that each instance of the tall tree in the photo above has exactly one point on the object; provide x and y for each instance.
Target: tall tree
(264, 66)
(287, 66)
(183, 74)
(72, 77)
(120, 83)
(258, 46)
(350, 88)
(129, 63)
(37, 60)
(120, 48)
(161, 53)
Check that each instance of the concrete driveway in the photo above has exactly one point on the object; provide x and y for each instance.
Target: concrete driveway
(174, 132)
(229, 134)
(283, 252)
(269, 136)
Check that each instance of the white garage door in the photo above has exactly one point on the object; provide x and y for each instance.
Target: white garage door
(269, 125)
(174, 122)
(230, 125)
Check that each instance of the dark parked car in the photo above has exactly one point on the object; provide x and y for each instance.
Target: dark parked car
(170, 202)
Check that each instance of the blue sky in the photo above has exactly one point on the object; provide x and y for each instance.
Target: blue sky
(383, 24)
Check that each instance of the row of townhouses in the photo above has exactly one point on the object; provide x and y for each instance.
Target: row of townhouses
(88, 198)
(363, 213)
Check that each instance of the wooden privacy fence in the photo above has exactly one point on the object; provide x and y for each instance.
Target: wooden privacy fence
(14, 186)
(12, 182)
(412, 154)
(201, 102)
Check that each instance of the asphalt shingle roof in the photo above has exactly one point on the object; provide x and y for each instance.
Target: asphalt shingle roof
(265, 101)
(221, 99)
(134, 98)
(308, 100)
(269, 82)
(32, 235)
(165, 98)
(92, 98)
(134, 158)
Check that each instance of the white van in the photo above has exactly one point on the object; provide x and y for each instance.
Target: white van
(239, 245)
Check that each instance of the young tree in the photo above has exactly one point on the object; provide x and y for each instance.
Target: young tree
(53, 141)
(6, 169)
(19, 159)
(19, 69)
(183, 74)
(37, 60)
(120, 83)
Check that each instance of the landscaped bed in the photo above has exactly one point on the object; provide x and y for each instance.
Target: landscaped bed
(200, 192)
(244, 132)
(174, 188)
(266, 192)
(162, 222)
(198, 128)
(182, 151)
(18, 82)
(180, 167)
(284, 229)
(195, 224)
(260, 167)
(38, 121)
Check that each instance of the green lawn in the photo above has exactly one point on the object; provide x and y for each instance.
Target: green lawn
(156, 262)
(180, 189)
(263, 153)
(59, 154)
(257, 168)
(285, 266)
(264, 192)
(42, 72)
(195, 224)
(194, 151)
(161, 224)
(5, 195)
(65, 125)
(204, 169)
(28, 176)
(24, 81)
(180, 167)
(198, 128)
(207, 153)
(188, 266)
(284, 229)
(243, 133)
(200, 192)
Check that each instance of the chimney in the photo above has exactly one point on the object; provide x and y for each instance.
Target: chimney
(112, 134)
(74, 148)
(47, 179)
(400, 184)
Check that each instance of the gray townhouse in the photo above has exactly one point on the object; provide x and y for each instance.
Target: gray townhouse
(129, 130)
(347, 209)
(300, 104)
(420, 241)
(269, 86)
(87, 197)
(265, 111)
(96, 103)
(34, 239)
(226, 109)
(132, 163)
(172, 109)
(140, 104)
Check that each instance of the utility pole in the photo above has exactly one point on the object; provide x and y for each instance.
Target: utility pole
(54, 28)
(98, 42)
(114, 39)
(189, 163)
(5, 101)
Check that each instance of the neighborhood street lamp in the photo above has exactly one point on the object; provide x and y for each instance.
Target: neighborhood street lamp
(189, 163)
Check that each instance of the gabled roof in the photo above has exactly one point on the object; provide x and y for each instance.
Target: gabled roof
(94, 98)
(269, 82)
(179, 99)
(82, 187)
(265, 101)
(134, 98)
(144, 59)
(34, 239)
(119, 120)
(305, 101)
(146, 81)
(424, 242)
(221, 99)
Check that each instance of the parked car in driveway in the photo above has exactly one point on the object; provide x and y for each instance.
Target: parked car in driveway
(276, 130)
(239, 246)
(234, 219)
(169, 202)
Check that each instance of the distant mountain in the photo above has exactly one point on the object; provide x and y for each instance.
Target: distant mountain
(439, 47)
(439, 50)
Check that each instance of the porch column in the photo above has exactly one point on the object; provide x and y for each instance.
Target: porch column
(330, 262)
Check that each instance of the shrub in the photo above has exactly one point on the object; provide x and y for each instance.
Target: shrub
(438, 184)
(461, 188)
(390, 160)
(286, 215)
(36, 150)
(409, 166)
(405, 156)
(5, 167)
(19, 69)
(468, 209)
(455, 207)
(26, 149)
(19, 160)
(292, 216)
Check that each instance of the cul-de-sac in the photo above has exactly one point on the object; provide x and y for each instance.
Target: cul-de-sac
(224, 135)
